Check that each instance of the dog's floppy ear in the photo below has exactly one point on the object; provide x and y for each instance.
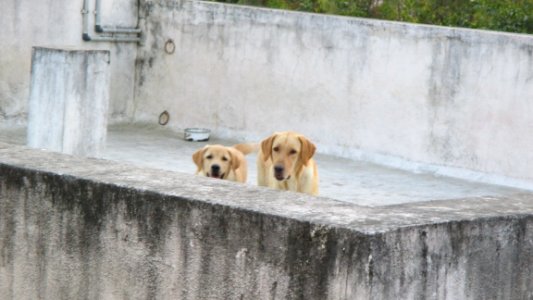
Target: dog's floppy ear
(235, 162)
(307, 151)
(266, 146)
(198, 157)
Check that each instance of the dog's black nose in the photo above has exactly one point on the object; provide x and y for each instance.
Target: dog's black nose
(215, 168)
(278, 169)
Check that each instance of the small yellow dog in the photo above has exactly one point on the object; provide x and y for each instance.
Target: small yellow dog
(217, 161)
(285, 162)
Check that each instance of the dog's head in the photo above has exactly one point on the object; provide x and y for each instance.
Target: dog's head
(216, 161)
(289, 152)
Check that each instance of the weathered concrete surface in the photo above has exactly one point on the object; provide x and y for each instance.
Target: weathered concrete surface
(446, 100)
(58, 23)
(73, 228)
(69, 100)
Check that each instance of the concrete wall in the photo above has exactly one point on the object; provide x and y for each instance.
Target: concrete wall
(69, 101)
(418, 97)
(73, 228)
(58, 23)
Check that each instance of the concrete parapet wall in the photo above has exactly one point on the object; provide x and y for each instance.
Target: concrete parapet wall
(73, 228)
(394, 93)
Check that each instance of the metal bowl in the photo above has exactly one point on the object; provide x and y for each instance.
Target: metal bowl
(197, 134)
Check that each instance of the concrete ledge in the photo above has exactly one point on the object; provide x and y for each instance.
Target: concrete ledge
(75, 228)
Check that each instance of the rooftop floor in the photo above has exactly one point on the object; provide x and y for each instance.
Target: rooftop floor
(343, 179)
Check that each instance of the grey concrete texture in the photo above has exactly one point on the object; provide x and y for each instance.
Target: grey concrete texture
(69, 100)
(74, 228)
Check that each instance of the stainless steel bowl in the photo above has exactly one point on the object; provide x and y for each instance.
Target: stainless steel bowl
(197, 134)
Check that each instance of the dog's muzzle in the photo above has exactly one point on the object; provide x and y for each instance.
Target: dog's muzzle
(278, 173)
(215, 172)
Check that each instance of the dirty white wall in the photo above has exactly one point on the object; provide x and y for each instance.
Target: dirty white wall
(419, 97)
(58, 23)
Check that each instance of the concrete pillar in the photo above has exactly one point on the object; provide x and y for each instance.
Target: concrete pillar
(69, 100)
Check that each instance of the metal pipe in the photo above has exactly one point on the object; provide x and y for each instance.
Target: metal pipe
(85, 13)
(105, 29)
(118, 39)
(98, 27)
(97, 15)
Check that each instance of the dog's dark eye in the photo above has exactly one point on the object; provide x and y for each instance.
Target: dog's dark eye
(224, 158)
(209, 157)
(292, 151)
(276, 149)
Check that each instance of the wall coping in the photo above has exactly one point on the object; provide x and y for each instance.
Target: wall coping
(430, 29)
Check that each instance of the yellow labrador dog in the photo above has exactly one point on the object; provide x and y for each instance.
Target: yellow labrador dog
(217, 161)
(285, 162)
